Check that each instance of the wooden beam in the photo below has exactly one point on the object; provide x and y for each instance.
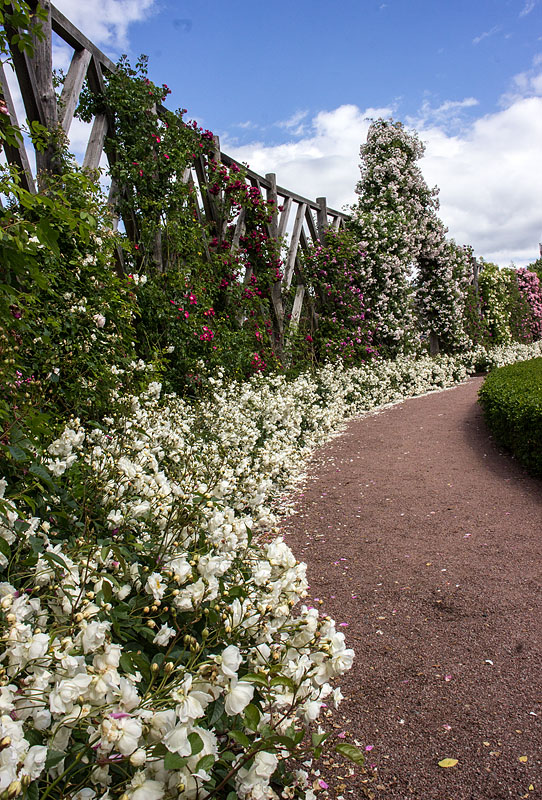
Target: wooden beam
(48, 159)
(285, 213)
(73, 36)
(336, 224)
(298, 304)
(239, 230)
(294, 244)
(321, 218)
(95, 76)
(303, 241)
(96, 141)
(72, 87)
(272, 197)
(16, 155)
(27, 83)
(311, 226)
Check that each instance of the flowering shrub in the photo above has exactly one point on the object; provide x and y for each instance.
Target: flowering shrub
(507, 307)
(151, 642)
(336, 273)
(530, 291)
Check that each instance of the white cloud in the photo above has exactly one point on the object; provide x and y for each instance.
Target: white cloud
(105, 22)
(295, 124)
(527, 8)
(488, 174)
(525, 84)
(448, 113)
(486, 34)
(325, 162)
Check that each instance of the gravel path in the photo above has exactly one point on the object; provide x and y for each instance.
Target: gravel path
(426, 541)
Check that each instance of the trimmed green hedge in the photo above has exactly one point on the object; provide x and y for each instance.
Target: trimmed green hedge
(511, 398)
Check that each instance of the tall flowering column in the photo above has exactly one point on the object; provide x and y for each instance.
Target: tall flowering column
(530, 289)
(393, 200)
(441, 285)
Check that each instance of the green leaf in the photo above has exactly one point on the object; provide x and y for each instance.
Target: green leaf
(107, 590)
(17, 453)
(351, 752)
(240, 737)
(205, 763)
(33, 792)
(53, 558)
(196, 743)
(282, 680)
(253, 677)
(174, 761)
(252, 717)
(54, 757)
(216, 710)
(4, 548)
(318, 738)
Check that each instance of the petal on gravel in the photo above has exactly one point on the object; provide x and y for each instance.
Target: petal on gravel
(448, 762)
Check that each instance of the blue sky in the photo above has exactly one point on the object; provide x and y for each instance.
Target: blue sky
(289, 87)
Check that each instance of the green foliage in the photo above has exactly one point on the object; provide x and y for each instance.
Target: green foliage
(511, 398)
(66, 333)
(337, 274)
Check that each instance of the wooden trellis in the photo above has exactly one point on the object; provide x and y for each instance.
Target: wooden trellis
(35, 80)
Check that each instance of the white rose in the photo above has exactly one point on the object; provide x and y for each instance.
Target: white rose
(155, 586)
(34, 761)
(164, 635)
(238, 697)
(230, 661)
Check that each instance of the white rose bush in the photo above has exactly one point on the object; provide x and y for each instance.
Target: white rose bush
(155, 644)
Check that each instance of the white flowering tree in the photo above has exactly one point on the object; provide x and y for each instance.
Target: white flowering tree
(393, 199)
(396, 219)
(444, 270)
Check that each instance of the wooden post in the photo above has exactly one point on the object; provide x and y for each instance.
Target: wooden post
(96, 141)
(273, 198)
(72, 87)
(294, 244)
(296, 310)
(434, 348)
(47, 160)
(16, 155)
(321, 218)
(283, 222)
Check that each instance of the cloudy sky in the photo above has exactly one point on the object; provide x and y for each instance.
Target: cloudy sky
(290, 88)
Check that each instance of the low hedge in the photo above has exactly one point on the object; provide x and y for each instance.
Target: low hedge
(511, 398)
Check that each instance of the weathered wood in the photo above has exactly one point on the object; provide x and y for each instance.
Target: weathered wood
(272, 197)
(95, 76)
(209, 208)
(239, 230)
(321, 218)
(303, 241)
(311, 226)
(294, 244)
(96, 141)
(27, 82)
(298, 304)
(337, 222)
(434, 348)
(73, 36)
(47, 159)
(284, 216)
(72, 87)
(16, 155)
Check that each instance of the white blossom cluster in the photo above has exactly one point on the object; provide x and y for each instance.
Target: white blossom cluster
(155, 645)
(410, 265)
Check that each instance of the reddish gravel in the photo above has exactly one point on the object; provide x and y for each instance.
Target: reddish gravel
(426, 540)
